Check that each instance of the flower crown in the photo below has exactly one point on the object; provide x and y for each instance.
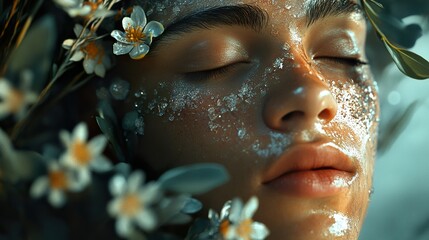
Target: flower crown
(75, 174)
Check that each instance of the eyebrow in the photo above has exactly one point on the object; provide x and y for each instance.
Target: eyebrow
(249, 16)
(319, 9)
(242, 15)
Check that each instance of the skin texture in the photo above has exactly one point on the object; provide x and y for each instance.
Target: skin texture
(285, 85)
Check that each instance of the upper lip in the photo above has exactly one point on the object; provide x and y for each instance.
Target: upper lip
(307, 157)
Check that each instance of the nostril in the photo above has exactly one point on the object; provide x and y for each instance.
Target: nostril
(326, 114)
(291, 115)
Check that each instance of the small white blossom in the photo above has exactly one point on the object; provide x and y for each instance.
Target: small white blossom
(95, 59)
(235, 222)
(55, 184)
(15, 101)
(137, 36)
(133, 203)
(82, 155)
(85, 8)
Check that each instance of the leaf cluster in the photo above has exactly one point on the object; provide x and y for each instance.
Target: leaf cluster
(396, 37)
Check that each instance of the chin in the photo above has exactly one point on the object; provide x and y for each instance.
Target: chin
(337, 217)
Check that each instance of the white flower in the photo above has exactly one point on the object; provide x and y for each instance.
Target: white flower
(95, 59)
(82, 155)
(133, 203)
(55, 184)
(236, 221)
(137, 36)
(88, 8)
(15, 101)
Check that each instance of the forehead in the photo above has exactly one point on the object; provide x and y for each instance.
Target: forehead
(169, 11)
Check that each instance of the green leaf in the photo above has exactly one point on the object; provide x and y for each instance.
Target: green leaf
(408, 62)
(194, 179)
(107, 129)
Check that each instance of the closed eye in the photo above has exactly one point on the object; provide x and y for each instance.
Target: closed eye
(215, 73)
(349, 61)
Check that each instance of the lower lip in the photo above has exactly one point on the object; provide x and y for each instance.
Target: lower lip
(313, 183)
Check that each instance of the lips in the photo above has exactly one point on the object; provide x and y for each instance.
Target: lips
(312, 171)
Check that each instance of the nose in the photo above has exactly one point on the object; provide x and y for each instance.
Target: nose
(299, 103)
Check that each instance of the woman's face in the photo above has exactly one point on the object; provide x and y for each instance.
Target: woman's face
(278, 93)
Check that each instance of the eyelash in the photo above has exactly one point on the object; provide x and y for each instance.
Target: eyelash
(353, 62)
(212, 74)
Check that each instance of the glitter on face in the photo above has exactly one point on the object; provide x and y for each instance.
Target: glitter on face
(340, 182)
(233, 114)
(341, 225)
(277, 144)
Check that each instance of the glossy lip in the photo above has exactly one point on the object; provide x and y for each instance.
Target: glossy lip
(311, 170)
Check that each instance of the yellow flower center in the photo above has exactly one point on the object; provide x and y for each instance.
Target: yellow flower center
(94, 51)
(58, 179)
(93, 5)
(130, 205)
(16, 100)
(81, 153)
(244, 229)
(224, 227)
(135, 34)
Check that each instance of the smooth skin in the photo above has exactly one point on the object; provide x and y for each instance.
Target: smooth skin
(242, 97)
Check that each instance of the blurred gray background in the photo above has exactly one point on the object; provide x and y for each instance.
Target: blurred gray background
(399, 207)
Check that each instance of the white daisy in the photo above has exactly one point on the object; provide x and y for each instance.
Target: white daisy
(86, 8)
(15, 101)
(82, 155)
(137, 36)
(133, 203)
(95, 59)
(54, 184)
(237, 223)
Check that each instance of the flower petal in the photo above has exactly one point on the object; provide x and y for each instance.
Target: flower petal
(117, 185)
(101, 164)
(151, 192)
(65, 138)
(39, 187)
(146, 219)
(79, 11)
(99, 13)
(68, 43)
(97, 144)
(250, 208)
(80, 132)
(121, 48)
(78, 30)
(138, 16)
(124, 227)
(100, 70)
(139, 51)
(135, 180)
(259, 231)
(89, 65)
(66, 3)
(113, 207)
(77, 56)
(84, 177)
(236, 209)
(127, 23)
(154, 28)
(56, 198)
(5, 88)
(4, 110)
(119, 36)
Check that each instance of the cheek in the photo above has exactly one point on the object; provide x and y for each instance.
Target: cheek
(356, 122)
(187, 123)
